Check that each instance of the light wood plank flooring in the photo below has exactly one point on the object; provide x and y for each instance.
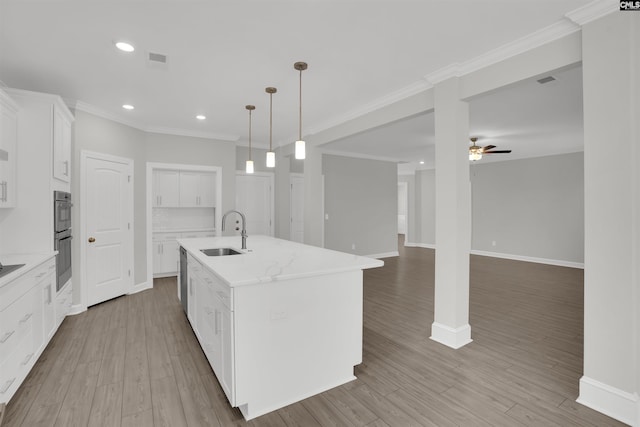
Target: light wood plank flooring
(134, 361)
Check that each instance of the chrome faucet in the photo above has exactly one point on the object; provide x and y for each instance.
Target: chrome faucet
(243, 233)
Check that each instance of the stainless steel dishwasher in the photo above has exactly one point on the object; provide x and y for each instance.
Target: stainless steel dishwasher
(184, 284)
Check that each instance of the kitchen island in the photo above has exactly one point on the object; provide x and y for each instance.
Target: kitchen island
(278, 322)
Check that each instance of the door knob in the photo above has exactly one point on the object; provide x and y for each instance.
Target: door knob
(91, 239)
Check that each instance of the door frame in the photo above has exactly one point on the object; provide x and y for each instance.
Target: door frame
(84, 156)
(272, 198)
(151, 166)
(405, 184)
(295, 175)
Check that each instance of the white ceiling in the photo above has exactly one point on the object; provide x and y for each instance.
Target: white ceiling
(531, 119)
(223, 53)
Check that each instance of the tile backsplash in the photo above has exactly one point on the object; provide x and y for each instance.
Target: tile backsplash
(183, 218)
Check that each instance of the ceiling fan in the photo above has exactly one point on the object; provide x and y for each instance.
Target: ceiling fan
(476, 152)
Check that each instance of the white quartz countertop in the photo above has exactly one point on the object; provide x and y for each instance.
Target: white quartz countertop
(269, 259)
(30, 262)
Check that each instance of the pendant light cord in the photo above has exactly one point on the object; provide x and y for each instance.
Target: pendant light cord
(270, 119)
(300, 122)
(249, 134)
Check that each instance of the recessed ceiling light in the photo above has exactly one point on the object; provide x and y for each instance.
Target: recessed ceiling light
(201, 117)
(127, 107)
(125, 47)
(422, 162)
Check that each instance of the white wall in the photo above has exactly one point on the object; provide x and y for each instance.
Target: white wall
(361, 199)
(97, 134)
(530, 207)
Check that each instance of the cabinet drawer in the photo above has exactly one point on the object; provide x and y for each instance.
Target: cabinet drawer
(219, 289)
(197, 234)
(16, 321)
(16, 366)
(18, 287)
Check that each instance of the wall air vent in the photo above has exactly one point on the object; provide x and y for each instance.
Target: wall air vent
(546, 80)
(157, 57)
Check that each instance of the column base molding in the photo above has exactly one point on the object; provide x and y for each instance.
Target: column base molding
(451, 337)
(618, 404)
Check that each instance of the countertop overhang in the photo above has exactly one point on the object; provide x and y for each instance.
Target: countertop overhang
(268, 259)
(30, 262)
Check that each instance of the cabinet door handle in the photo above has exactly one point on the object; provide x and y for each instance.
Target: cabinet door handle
(6, 336)
(49, 291)
(26, 317)
(6, 385)
(66, 168)
(160, 200)
(4, 197)
(26, 359)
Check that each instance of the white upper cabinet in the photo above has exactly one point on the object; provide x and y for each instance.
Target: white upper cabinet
(185, 189)
(197, 189)
(8, 149)
(61, 144)
(166, 188)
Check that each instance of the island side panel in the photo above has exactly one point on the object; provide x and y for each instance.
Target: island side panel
(296, 338)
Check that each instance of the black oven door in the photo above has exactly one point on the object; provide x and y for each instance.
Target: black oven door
(63, 259)
(61, 211)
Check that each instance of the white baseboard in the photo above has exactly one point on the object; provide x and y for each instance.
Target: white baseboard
(77, 309)
(560, 263)
(420, 245)
(140, 287)
(618, 404)
(384, 255)
(451, 337)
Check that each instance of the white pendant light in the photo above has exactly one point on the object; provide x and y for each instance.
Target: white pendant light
(271, 155)
(249, 167)
(300, 152)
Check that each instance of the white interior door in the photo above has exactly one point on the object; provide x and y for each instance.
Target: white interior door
(402, 207)
(296, 232)
(254, 198)
(108, 244)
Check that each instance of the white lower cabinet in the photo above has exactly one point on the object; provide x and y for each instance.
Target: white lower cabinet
(166, 251)
(26, 311)
(212, 321)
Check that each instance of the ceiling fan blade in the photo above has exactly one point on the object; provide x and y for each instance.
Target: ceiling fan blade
(497, 152)
(488, 147)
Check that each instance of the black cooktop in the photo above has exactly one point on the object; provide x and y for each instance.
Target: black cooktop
(6, 269)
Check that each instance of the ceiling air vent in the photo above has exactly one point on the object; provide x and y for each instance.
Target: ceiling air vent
(546, 80)
(157, 57)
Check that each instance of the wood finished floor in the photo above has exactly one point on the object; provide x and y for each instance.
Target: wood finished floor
(134, 361)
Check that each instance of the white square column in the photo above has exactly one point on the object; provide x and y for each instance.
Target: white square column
(453, 217)
(611, 87)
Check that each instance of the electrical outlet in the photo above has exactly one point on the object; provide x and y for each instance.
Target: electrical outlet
(493, 243)
(326, 216)
(353, 246)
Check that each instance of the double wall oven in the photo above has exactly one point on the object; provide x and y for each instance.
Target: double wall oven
(62, 236)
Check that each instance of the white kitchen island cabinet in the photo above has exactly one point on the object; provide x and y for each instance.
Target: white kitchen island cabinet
(279, 322)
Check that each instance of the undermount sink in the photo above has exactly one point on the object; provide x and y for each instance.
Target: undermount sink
(220, 252)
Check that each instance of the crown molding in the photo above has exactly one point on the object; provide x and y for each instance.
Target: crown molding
(536, 39)
(444, 73)
(361, 156)
(91, 109)
(531, 41)
(406, 92)
(192, 133)
(592, 11)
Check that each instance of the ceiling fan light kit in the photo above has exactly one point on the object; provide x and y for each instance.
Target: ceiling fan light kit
(476, 152)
